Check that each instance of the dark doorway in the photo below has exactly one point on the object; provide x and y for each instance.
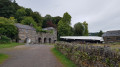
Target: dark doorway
(45, 40)
(39, 40)
(49, 40)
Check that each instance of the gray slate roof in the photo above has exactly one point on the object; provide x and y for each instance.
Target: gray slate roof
(112, 33)
(21, 26)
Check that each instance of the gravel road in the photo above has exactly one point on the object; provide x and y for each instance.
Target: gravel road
(30, 56)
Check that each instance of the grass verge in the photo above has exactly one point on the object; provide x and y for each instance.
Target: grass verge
(63, 59)
(3, 57)
(9, 45)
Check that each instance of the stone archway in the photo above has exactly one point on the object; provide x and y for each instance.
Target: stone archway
(28, 40)
(39, 40)
(49, 40)
(45, 40)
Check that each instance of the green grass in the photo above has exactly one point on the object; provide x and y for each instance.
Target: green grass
(3, 57)
(9, 45)
(63, 59)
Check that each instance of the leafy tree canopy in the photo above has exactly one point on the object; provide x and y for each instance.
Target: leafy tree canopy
(79, 29)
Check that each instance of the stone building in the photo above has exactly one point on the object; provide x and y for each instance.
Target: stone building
(111, 36)
(28, 32)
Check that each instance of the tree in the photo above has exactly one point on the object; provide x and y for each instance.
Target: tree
(30, 21)
(100, 33)
(86, 28)
(56, 19)
(7, 27)
(46, 19)
(66, 18)
(50, 24)
(79, 29)
(64, 28)
(28, 11)
(37, 18)
(11, 20)
(6, 8)
(20, 14)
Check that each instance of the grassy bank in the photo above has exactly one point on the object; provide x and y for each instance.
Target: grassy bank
(63, 59)
(3, 57)
(9, 45)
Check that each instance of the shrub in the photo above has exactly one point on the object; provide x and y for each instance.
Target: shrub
(5, 39)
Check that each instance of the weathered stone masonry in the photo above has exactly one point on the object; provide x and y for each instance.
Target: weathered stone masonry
(26, 32)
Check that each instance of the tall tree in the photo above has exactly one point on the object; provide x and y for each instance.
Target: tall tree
(28, 11)
(38, 19)
(86, 28)
(46, 19)
(7, 27)
(64, 28)
(56, 19)
(20, 14)
(66, 18)
(100, 33)
(6, 8)
(79, 29)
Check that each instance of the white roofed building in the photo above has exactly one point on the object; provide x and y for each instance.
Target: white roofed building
(90, 39)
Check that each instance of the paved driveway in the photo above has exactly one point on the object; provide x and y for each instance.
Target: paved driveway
(31, 56)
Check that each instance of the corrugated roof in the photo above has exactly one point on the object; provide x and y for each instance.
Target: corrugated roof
(83, 37)
(112, 33)
(24, 26)
(48, 28)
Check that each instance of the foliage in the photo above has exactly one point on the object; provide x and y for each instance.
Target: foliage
(86, 28)
(63, 59)
(28, 12)
(100, 33)
(56, 19)
(37, 18)
(50, 24)
(89, 55)
(7, 27)
(3, 57)
(6, 8)
(46, 19)
(66, 18)
(11, 20)
(20, 14)
(4, 39)
(64, 28)
(79, 29)
(30, 21)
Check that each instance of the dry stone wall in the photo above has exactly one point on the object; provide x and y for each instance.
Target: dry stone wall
(90, 56)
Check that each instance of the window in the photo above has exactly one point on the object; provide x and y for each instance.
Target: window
(118, 38)
(108, 38)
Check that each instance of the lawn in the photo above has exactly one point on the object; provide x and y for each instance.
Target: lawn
(3, 57)
(10, 45)
(63, 59)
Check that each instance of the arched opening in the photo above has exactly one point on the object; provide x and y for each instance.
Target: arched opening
(54, 41)
(39, 40)
(49, 40)
(45, 40)
(27, 40)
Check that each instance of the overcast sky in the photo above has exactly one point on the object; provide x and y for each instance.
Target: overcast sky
(99, 14)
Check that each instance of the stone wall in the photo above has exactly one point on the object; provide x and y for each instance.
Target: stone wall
(109, 39)
(90, 56)
(37, 37)
(47, 37)
(26, 33)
